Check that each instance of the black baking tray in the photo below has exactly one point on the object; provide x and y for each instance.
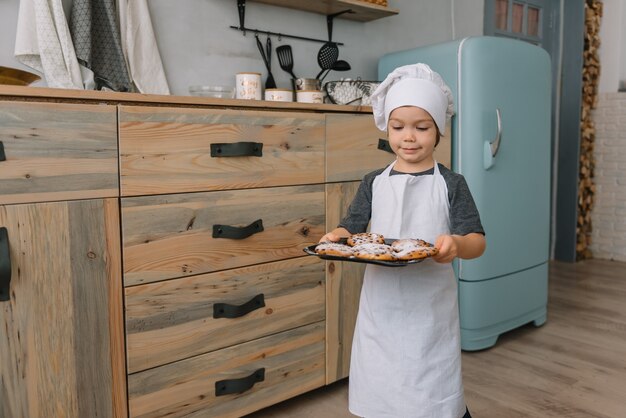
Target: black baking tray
(310, 250)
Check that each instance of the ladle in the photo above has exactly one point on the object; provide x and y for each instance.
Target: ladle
(340, 65)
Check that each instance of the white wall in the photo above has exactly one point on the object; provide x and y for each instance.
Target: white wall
(613, 46)
(198, 47)
(609, 212)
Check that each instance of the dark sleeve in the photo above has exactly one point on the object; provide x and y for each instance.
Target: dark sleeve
(360, 210)
(464, 216)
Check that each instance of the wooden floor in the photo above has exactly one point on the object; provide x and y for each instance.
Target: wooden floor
(572, 367)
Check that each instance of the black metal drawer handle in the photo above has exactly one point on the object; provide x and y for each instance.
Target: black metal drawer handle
(5, 265)
(237, 232)
(227, 387)
(237, 149)
(3, 156)
(383, 144)
(226, 310)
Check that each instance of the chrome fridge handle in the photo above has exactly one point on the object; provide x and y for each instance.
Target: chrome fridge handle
(491, 148)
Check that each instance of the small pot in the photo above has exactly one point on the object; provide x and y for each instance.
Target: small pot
(307, 84)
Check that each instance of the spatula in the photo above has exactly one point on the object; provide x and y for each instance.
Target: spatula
(285, 59)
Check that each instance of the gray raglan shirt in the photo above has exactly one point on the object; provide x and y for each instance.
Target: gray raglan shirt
(464, 217)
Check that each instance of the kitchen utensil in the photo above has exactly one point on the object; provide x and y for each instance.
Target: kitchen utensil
(285, 59)
(310, 250)
(268, 51)
(340, 65)
(329, 52)
(15, 77)
(307, 84)
(327, 56)
(269, 83)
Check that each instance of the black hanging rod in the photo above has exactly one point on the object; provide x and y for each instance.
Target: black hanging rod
(281, 35)
(241, 8)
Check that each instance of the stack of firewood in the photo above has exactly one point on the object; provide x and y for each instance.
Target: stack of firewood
(591, 76)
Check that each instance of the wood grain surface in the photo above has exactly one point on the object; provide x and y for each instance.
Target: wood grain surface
(343, 286)
(61, 354)
(169, 150)
(352, 147)
(57, 151)
(52, 95)
(172, 320)
(293, 362)
(171, 236)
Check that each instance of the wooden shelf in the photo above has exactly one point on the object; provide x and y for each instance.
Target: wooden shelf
(364, 11)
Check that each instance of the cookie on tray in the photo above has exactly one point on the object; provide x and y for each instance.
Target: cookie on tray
(365, 238)
(374, 251)
(334, 248)
(413, 249)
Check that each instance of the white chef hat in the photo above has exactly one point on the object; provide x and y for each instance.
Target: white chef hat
(413, 85)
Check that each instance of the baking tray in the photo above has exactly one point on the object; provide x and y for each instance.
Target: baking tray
(310, 250)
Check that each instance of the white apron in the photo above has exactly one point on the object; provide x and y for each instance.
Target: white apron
(406, 353)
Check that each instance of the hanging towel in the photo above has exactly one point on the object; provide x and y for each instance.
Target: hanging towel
(95, 32)
(140, 47)
(43, 42)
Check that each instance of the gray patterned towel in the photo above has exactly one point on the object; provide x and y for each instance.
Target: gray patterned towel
(96, 37)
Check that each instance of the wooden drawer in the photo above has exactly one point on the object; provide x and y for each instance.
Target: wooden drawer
(57, 151)
(352, 147)
(343, 287)
(178, 235)
(177, 319)
(292, 362)
(169, 150)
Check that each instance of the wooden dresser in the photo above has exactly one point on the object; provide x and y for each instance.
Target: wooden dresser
(154, 251)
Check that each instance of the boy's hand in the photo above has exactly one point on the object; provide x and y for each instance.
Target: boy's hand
(466, 247)
(335, 234)
(331, 236)
(448, 249)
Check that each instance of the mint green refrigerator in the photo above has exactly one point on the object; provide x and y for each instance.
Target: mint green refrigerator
(501, 144)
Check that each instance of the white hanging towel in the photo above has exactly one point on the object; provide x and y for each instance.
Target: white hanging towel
(43, 42)
(140, 47)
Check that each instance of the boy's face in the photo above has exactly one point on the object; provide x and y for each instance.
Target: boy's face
(412, 135)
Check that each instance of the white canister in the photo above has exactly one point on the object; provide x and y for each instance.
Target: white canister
(310, 96)
(279, 95)
(248, 86)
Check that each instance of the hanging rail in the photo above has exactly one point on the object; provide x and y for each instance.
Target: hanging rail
(241, 8)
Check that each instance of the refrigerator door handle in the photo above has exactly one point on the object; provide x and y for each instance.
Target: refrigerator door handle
(491, 148)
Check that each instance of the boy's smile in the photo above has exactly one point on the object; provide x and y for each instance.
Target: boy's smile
(412, 135)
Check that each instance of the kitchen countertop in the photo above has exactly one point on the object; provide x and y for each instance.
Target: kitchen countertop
(8, 92)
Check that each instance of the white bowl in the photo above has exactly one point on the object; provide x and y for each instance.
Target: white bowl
(217, 92)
